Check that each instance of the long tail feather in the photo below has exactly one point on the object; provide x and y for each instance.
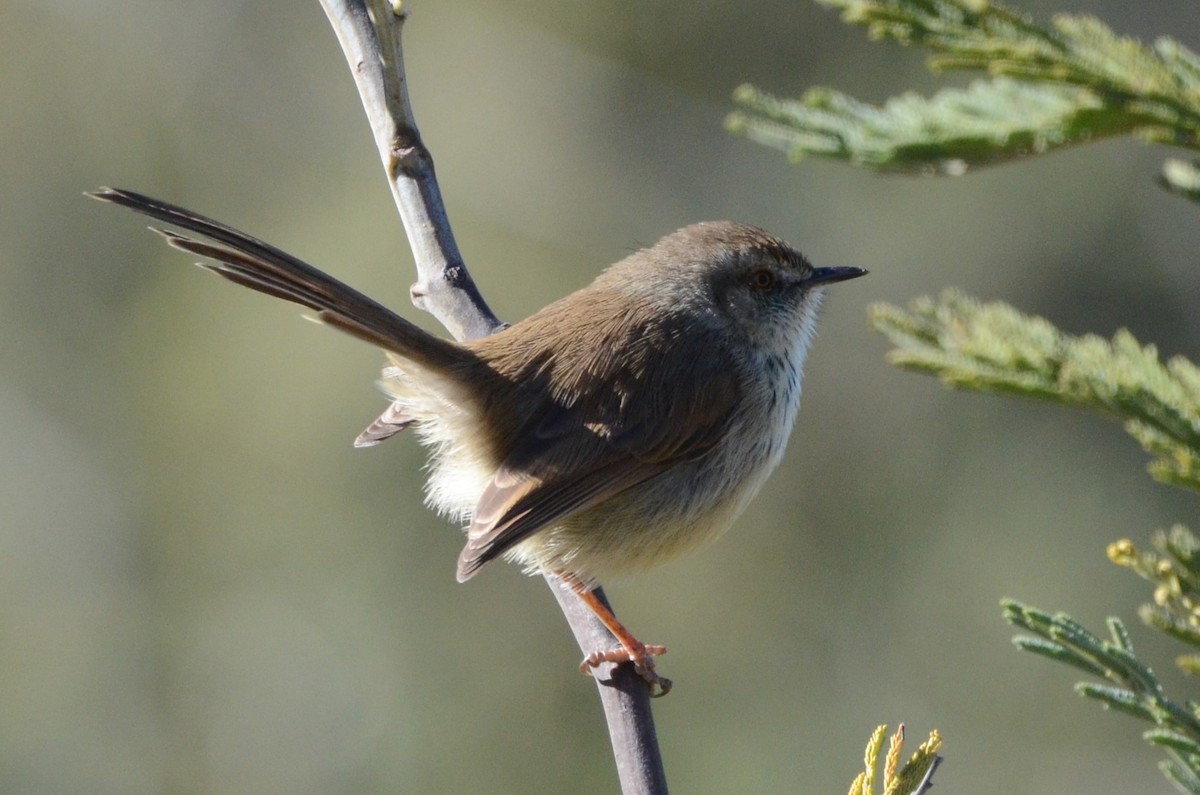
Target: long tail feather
(248, 261)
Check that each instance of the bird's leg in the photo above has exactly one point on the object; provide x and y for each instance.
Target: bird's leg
(632, 650)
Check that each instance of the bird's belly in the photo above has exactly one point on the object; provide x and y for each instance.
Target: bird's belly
(656, 521)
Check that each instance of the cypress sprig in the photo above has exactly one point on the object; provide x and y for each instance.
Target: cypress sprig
(913, 778)
(1128, 685)
(994, 348)
(1070, 81)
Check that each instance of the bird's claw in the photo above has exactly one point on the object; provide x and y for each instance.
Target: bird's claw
(643, 664)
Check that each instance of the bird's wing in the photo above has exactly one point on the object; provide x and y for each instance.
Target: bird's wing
(572, 458)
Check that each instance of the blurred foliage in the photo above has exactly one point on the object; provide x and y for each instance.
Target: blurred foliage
(912, 779)
(1130, 685)
(994, 348)
(1071, 82)
(1175, 571)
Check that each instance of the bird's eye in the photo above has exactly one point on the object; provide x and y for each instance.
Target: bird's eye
(762, 279)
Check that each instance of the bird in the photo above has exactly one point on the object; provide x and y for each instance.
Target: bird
(606, 434)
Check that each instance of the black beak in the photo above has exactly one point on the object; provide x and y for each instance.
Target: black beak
(823, 276)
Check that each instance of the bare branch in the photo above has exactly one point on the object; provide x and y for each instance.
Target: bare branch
(369, 32)
(624, 696)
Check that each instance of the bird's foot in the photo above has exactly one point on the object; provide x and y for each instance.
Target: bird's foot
(642, 657)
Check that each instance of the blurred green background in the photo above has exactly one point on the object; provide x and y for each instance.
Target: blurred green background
(205, 589)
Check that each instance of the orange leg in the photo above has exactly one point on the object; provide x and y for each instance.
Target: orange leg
(632, 650)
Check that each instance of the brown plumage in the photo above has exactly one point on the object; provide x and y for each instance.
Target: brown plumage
(609, 432)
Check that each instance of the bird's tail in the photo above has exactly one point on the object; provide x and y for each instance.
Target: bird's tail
(260, 266)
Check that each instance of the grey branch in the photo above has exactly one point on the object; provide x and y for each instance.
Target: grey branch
(926, 783)
(369, 32)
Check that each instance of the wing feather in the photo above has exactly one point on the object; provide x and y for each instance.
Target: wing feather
(572, 458)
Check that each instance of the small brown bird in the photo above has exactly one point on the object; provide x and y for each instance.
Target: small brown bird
(608, 433)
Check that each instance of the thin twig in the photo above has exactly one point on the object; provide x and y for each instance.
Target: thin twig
(926, 783)
(370, 32)
(370, 37)
(624, 696)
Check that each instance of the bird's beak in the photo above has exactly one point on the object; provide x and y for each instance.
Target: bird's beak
(822, 276)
